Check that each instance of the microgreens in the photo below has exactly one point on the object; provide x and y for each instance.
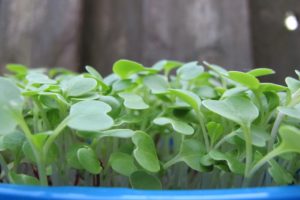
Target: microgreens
(149, 128)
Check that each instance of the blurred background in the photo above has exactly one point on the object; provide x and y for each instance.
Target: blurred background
(237, 34)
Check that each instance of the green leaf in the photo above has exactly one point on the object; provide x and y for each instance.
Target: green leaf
(261, 72)
(11, 103)
(12, 141)
(122, 163)
(145, 152)
(22, 179)
(126, 68)
(90, 115)
(215, 131)
(280, 175)
(271, 87)
(245, 79)
(156, 83)
(189, 97)
(192, 152)
(290, 137)
(17, 68)
(39, 141)
(143, 180)
(259, 135)
(234, 165)
(189, 71)
(120, 133)
(72, 158)
(236, 108)
(291, 111)
(94, 72)
(39, 78)
(293, 84)
(88, 159)
(206, 92)
(78, 86)
(216, 68)
(133, 101)
(166, 65)
(178, 126)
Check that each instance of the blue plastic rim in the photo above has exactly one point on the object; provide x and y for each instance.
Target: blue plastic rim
(18, 192)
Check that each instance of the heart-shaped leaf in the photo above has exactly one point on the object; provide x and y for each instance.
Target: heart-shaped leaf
(234, 165)
(167, 65)
(126, 68)
(23, 179)
(11, 102)
(236, 108)
(133, 101)
(145, 152)
(178, 126)
(90, 115)
(189, 71)
(122, 163)
(189, 97)
(290, 137)
(39, 78)
(156, 83)
(78, 86)
(293, 84)
(245, 79)
(88, 160)
(143, 180)
(291, 111)
(261, 72)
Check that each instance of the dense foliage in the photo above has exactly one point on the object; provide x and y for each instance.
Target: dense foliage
(172, 126)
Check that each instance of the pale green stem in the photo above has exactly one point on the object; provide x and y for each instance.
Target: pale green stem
(204, 132)
(224, 139)
(54, 135)
(275, 130)
(37, 155)
(248, 141)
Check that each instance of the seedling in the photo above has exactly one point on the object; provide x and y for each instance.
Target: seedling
(147, 128)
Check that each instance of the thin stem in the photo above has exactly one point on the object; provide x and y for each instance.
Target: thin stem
(204, 132)
(4, 165)
(231, 134)
(274, 131)
(54, 135)
(265, 159)
(248, 141)
(37, 155)
(171, 162)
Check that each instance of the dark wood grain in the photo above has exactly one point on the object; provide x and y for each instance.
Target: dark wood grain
(273, 45)
(146, 31)
(40, 32)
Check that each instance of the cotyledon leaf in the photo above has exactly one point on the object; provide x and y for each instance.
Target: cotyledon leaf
(156, 83)
(145, 152)
(11, 102)
(236, 108)
(78, 86)
(122, 163)
(245, 79)
(88, 160)
(133, 101)
(90, 115)
(189, 71)
(178, 126)
(143, 180)
(188, 97)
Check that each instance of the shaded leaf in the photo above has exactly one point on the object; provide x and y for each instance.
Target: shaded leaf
(122, 163)
(156, 83)
(178, 126)
(88, 160)
(143, 180)
(145, 152)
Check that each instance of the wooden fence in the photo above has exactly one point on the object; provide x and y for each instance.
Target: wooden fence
(238, 34)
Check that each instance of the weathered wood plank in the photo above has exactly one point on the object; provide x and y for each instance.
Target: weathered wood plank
(146, 31)
(273, 45)
(40, 32)
(212, 30)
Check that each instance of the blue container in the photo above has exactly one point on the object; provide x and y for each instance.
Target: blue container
(17, 192)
